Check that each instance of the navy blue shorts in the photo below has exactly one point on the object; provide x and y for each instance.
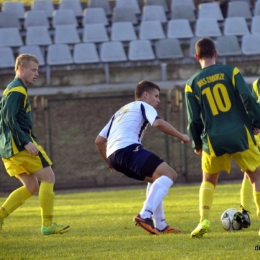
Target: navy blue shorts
(135, 162)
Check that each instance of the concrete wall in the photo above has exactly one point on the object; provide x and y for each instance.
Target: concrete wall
(130, 74)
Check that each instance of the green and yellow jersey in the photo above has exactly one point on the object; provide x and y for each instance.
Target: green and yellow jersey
(219, 121)
(256, 95)
(15, 119)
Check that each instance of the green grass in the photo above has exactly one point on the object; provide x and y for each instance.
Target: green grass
(102, 228)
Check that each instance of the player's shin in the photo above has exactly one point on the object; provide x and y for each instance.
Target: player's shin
(15, 200)
(46, 198)
(157, 192)
(205, 199)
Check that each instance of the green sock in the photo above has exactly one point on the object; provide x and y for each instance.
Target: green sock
(14, 201)
(206, 199)
(46, 198)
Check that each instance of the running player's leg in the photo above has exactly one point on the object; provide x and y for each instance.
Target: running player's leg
(210, 168)
(246, 193)
(46, 198)
(255, 180)
(18, 197)
(163, 178)
(159, 217)
(206, 195)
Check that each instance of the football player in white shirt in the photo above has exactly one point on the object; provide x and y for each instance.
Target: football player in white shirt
(119, 144)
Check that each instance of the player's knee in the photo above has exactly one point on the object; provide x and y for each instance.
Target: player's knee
(33, 187)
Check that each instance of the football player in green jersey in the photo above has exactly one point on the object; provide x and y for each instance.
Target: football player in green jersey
(222, 114)
(20, 151)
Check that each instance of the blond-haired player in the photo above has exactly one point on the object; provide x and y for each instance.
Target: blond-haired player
(20, 151)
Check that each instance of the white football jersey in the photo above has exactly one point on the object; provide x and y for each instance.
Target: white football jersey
(127, 126)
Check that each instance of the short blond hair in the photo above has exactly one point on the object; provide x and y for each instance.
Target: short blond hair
(23, 60)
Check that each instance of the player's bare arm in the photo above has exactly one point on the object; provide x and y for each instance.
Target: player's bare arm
(32, 149)
(101, 144)
(167, 128)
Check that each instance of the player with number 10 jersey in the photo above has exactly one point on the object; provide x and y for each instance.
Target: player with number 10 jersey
(218, 121)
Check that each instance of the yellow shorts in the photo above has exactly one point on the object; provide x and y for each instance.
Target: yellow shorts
(247, 160)
(23, 162)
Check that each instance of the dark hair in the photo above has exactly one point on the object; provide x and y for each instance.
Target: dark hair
(205, 48)
(144, 86)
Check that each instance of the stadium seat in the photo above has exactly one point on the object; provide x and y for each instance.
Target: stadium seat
(228, 45)
(74, 5)
(36, 18)
(112, 52)
(64, 17)
(38, 35)
(183, 12)
(95, 32)
(235, 26)
(124, 14)
(168, 49)
(154, 13)
(179, 28)
(43, 5)
(9, 20)
(85, 53)
(14, 7)
(158, 2)
(94, 15)
(255, 25)
(59, 54)
(239, 9)
(140, 50)
(207, 27)
(151, 30)
(10, 37)
(177, 3)
(210, 10)
(34, 50)
(100, 4)
(123, 31)
(67, 34)
(7, 57)
(129, 3)
(257, 8)
(251, 44)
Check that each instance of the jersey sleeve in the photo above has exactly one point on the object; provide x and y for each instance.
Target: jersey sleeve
(149, 113)
(105, 131)
(10, 112)
(251, 105)
(256, 90)
(195, 125)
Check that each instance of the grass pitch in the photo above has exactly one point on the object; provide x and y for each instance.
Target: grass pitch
(102, 228)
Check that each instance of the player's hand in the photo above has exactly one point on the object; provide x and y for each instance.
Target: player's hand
(32, 149)
(185, 139)
(199, 152)
(256, 130)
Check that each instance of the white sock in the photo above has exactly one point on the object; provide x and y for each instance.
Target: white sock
(158, 214)
(157, 192)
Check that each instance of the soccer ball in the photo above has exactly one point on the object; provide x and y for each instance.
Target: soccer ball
(231, 219)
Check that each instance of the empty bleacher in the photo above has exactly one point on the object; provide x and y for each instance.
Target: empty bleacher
(68, 33)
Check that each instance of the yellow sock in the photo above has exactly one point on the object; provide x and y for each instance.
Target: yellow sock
(14, 201)
(246, 194)
(257, 202)
(46, 198)
(206, 199)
